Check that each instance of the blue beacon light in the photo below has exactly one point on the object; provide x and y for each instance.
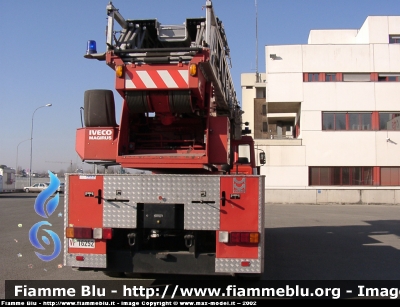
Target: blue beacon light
(91, 47)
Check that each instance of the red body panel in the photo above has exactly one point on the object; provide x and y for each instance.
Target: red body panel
(218, 144)
(239, 215)
(162, 161)
(97, 143)
(85, 211)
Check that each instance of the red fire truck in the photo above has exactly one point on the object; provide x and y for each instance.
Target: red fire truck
(199, 207)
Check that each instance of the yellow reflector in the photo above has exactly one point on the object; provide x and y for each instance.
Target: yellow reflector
(193, 70)
(69, 232)
(254, 237)
(119, 71)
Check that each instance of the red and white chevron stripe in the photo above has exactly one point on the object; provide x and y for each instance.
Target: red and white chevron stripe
(156, 79)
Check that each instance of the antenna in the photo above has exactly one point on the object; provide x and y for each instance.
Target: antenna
(257, 76)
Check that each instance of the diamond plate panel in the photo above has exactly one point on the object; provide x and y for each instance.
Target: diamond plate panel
(203, 190)
(119, 214)
(234, 266)
(91, 261)
(66, 197)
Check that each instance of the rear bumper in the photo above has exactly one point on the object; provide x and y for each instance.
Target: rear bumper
(166, 263)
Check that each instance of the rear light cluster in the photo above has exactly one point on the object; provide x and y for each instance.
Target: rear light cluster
(239, 237)
(244, 237)
(89, 233)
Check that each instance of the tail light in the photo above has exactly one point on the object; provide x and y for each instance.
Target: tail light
(239, 237)
(107, 233)
(88, 233)
(83, 233)
(102, 233)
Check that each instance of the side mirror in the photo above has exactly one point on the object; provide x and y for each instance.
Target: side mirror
(262, 158)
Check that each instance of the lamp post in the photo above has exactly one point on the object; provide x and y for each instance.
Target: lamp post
(30, 164)
(16, 163)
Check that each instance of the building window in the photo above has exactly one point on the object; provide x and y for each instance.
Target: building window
(389, 121)
(328, 121)
(390, 176)
(360, 121)
(351, 176)
(353, 77)
(333, 121)
(313, 77)
(265, 127)
(347, 121)
(330, 77)
(260, 92)
(249, 87)
(388, 77)
(394, 39)
(264, 109)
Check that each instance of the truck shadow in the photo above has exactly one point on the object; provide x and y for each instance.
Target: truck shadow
(362, 252)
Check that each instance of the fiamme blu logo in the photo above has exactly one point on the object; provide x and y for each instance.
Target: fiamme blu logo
(45, 205)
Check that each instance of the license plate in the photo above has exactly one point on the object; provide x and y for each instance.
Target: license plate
(81, 243)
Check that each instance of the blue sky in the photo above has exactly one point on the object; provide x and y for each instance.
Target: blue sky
(43, 43)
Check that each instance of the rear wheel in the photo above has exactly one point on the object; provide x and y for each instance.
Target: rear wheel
(133, 275)
(248, 276)
(114, 274)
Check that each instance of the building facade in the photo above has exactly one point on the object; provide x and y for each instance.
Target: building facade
(327, 115)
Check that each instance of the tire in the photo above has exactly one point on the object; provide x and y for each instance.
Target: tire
(114, 274)
(26, 190)
(99, 108)
(248, 277)
(133, 275)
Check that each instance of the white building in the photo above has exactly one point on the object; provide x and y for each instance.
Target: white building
(327, 115)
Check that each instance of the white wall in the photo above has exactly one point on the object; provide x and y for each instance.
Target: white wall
(393, 24)
(332, 37)
(347, 148)
(284, 155)
(310, 121)
(340, 96)
(285, 176)
(378, 29)
(386, 57)
(285, 87)
(289, 59)
(336, 58)
(387, 153)
(387, 96)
